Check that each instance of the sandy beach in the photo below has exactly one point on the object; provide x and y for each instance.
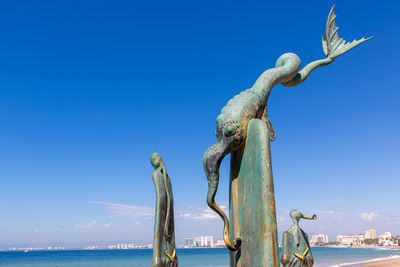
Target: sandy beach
(386, 262)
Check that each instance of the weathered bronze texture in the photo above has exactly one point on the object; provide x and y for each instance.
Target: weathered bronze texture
(232, 123)
(164, 252)
(295, 247)
(252, 201)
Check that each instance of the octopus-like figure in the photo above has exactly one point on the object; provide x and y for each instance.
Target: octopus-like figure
(231, 130)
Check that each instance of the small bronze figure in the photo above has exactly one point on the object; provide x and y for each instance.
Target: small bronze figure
(164, 252)
(295, 247)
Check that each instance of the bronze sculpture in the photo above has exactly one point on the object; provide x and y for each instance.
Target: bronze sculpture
(164, 252)
(252, 201)
(295, 247)
(232, 122)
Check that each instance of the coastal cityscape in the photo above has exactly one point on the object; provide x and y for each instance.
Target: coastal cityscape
(92, 247)
(196, 242)
(368, 239)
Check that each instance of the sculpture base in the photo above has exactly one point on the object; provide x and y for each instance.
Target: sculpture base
(252, 202)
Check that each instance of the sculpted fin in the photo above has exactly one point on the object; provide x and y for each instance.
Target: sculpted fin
(335, 46)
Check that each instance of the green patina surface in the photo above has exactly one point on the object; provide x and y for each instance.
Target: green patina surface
(296, 250)
(164, 253)
(252, 201)
(233, 121)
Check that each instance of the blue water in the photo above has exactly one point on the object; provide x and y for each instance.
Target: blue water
(215, 257)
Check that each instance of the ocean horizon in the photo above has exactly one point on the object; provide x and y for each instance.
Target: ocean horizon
(205, 257)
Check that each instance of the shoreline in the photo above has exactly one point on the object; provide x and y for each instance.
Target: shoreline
(377, 262)
(324, 256)
(375, 247)
(392, 261)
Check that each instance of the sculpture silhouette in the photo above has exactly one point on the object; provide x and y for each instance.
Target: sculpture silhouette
(164, 252)
(295, 247)
(231, 130)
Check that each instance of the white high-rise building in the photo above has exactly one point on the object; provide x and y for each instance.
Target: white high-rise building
(203, 241)
(208, 241)
(319, 239)
(350, 240)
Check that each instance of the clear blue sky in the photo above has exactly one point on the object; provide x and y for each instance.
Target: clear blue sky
(89, 89)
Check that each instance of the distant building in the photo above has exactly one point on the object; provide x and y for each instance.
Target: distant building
(220, 243)
(188, 242)
(386, 239)
(319, 239)
(203, 241)
(208, 241)
(370, 234)
(198, 242)
(350, 240)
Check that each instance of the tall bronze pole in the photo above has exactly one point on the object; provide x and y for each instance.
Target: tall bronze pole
(252, 201)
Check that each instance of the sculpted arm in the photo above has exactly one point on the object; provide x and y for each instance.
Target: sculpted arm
(302, 75)
(168, 216)
(285, 249)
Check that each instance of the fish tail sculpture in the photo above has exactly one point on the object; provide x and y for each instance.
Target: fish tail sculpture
(232, 122)
(333, 47)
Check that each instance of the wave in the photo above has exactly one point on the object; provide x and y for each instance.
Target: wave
(382, 248)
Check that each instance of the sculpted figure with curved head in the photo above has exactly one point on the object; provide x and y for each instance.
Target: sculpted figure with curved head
(231, 130)
(164, 253)
(295, 247)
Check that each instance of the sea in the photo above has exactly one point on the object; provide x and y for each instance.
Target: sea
(205, 257)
